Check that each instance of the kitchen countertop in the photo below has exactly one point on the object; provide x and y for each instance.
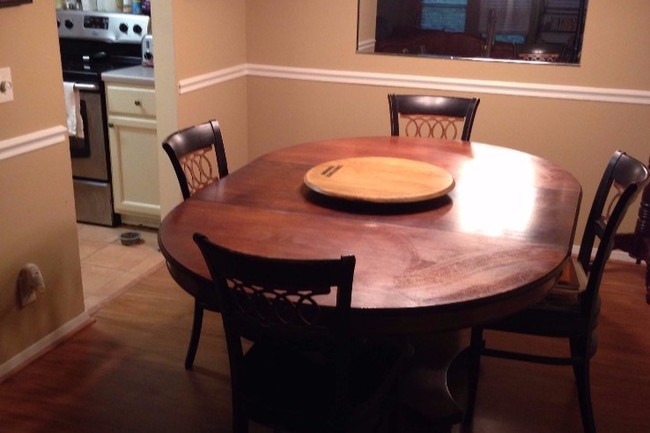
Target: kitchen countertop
(131, 75)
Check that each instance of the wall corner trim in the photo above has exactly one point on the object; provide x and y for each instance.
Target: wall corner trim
(32, 141)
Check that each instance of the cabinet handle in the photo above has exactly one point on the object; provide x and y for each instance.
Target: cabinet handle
(137, 103)
(111, 125)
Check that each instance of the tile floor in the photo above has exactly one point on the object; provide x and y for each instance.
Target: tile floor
(108, 268)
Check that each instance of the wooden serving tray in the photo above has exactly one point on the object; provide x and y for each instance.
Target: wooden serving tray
(379, 180)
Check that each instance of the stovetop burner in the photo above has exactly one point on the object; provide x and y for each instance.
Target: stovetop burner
(102, 26)
(81, 71)
(94, 42)
(89, 60)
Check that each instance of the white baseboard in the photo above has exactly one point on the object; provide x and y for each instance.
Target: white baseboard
(617, 255)
(44, 345)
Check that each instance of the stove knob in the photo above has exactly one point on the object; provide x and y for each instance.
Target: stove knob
(137, 29)
(124, 28)
(68, 24)
(58, 23)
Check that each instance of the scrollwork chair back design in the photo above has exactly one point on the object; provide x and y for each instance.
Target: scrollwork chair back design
(429, 116)
(198, 156)
(539, 57)
(198, 169)
(431, 126)
(275, 306)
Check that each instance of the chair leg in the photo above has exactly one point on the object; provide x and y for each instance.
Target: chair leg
(584, 395)
(581, 371)
(475, 347)
(239, 420)
(195, 336)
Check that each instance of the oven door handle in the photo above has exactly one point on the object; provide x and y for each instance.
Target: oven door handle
(87, 87)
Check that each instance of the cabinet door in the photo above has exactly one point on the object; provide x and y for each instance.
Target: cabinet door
(134, 165)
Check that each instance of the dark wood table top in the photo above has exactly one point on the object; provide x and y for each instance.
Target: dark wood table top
(493, 245)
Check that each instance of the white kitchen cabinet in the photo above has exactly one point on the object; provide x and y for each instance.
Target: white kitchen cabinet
(134, 152)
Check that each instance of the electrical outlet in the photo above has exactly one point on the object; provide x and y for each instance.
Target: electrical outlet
(30, 280)
(6, 86)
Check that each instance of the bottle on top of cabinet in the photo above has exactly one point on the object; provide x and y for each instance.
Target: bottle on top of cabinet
(89, 5)
(109, 5)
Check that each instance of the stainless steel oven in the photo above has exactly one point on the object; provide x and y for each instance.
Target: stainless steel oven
(90, 159)
(90, 44)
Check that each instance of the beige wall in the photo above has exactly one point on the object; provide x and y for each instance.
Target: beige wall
(199, 37)
(37, 220)
(579, 135)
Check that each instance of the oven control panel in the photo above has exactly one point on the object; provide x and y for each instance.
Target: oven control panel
(102, 26)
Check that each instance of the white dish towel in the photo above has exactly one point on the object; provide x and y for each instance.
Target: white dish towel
(73, 108)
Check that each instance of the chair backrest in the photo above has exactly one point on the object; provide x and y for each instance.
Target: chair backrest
(198, 156)
(278, 301)
(275, 298)
(432, 116)
(623, 179)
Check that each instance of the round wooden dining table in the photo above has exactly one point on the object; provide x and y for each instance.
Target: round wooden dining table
(492, 245)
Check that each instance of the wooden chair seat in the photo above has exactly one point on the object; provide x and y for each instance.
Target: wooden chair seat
(572, 283)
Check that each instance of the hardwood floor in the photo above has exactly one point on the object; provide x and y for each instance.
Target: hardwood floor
(125, 373)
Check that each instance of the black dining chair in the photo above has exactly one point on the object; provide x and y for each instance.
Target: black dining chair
(570, 311)
(304, 372)
(198, 157)
(432, 116)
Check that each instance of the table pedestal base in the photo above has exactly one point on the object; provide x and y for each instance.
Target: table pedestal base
(432, 394)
